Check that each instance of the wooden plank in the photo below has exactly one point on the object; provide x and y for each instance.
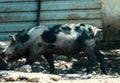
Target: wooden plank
(18, 7)
(48, 5)
(41, 0)
(19, 16)
(16, 0)
(51, 15)
(16, 26)
(64, 5)
(70, 14)
(95, 22)
(70, 0)
(12, 27)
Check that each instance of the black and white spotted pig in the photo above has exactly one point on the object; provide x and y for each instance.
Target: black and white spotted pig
(67, 39)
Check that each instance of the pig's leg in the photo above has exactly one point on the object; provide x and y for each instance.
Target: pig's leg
(92, 60)
(93, 55)
(49, 58)
(30, 60)
(100, 58)
(33, 54)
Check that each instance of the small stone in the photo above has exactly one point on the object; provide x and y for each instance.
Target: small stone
(2, 80)
(25, 68)
(33, 80)
(89, 76)
(116, 74)
(94, 73)
(10, 79)
(55, 79)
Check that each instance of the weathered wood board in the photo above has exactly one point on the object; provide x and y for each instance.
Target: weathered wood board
(19, 14)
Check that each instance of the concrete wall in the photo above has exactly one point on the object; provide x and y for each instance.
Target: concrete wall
(111, 19)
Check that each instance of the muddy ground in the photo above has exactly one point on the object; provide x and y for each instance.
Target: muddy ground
(73, 70)
(76, 64)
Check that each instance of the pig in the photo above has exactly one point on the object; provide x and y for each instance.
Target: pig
(61, 39)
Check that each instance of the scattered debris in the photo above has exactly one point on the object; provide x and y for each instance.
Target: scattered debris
(11, 76)
(70, 72)
(25, 68)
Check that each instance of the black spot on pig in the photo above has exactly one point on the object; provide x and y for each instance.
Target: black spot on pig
(82, 24)
(91, 32)
(85, 36)
(92, 35)
(56, 28)
(51, 46)
(22, 36)
(77, 29)
(25, 38)
(78, 41)
(49, 36)
(39, 44)
(66, 30)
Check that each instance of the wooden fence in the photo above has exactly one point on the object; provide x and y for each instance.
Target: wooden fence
(19, 14)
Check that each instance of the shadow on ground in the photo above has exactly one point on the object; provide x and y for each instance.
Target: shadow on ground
(77, 64)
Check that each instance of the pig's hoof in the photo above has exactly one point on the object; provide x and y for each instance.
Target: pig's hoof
(89, 71)
(104, 72)
(52, 71)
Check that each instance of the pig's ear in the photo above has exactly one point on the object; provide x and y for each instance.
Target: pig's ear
(12, 37)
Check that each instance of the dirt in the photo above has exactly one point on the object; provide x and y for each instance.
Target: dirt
(71, 70)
